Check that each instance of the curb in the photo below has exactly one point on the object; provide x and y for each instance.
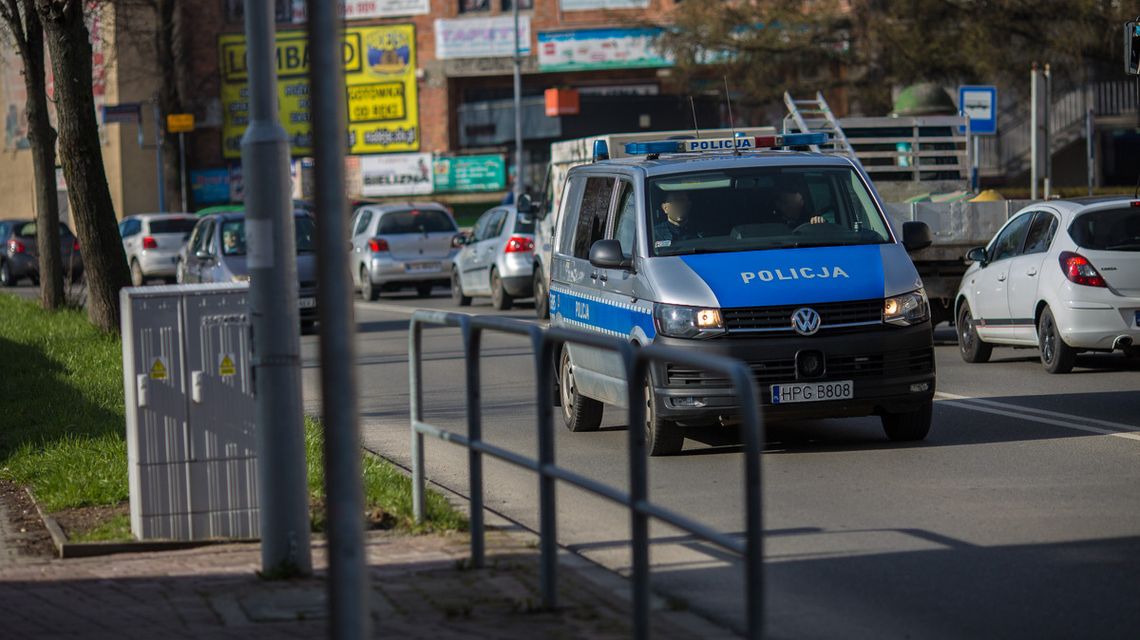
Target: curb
(65, 549)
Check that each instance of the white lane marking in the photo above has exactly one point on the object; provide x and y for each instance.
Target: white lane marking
(392, 308)
(1019, 412)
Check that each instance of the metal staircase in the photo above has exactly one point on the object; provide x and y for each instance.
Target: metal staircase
(814, 116)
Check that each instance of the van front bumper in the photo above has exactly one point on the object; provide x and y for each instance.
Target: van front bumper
(891, 368)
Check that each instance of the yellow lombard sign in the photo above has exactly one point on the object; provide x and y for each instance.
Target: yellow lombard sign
(380, 74)
(180, 122)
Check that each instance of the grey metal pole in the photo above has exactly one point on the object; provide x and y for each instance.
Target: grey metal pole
(158, 145)
(272, 262)
(520, 174)
(182, 171)
(344, 490)
(1048, 131)
(1033, 133)
(1090, 149)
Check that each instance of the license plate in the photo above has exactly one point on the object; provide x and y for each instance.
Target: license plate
(308, 303)
(812, 392)
(421, 267)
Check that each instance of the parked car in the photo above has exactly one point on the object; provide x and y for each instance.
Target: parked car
(402, 245)
(153, 243)
(496, 260)
(216, 252)
(1063, 276)
(19, 258)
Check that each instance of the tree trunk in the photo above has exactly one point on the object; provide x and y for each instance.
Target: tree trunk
(82, 158)
(41, 138)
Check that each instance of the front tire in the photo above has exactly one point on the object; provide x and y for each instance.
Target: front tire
(368, 291)
(1056, 356)
(457, 296)
(910, 426)
(541, 295)
(579, 412)
(662, 437)
(500, 299)
(179, 273)
(970, 345)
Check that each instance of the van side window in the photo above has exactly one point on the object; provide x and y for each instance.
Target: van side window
(625, 220)
(592, 215)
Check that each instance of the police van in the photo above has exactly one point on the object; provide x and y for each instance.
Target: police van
(732, 245)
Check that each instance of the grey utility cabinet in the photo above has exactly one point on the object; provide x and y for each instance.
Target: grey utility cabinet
(191, 443)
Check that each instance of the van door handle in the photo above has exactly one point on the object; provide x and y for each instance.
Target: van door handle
(603, 277)
(1031, 272)
(594, 275)
(1001, 278)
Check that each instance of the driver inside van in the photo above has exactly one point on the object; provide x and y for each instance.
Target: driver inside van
(791, 209)
(675, 224)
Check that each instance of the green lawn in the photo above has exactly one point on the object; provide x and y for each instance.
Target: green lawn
(62, 426)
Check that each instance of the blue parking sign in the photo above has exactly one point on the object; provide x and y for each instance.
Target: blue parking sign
(979, 102)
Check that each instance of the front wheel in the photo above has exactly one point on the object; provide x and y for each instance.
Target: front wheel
(972, 347)
(579, 412)
(541, 296)
(910, 426)
(179, 273)
(662, 437)
(1056, 356)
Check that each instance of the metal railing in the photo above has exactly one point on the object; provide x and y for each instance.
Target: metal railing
(635, 361)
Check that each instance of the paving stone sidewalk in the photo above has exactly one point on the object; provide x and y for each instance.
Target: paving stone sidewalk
(420, 588)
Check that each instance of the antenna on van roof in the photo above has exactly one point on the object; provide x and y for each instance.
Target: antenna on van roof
(693, 107)
(731, 124)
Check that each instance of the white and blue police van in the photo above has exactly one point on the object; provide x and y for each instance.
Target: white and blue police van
(783, 259)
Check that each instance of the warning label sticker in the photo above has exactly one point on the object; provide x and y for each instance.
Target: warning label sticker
(158, 369)
(226, 368)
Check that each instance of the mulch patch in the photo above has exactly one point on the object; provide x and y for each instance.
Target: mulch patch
(82, 519)
(33, 538)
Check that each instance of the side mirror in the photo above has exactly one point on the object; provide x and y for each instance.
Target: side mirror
(459, 240)
(977, 254)
(607, 254)
(203, 255)
(916, 236)
(525, 204)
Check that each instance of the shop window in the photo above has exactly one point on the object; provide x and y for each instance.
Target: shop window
(524, 5)
(473, 6)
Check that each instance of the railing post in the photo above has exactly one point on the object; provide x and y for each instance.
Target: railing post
(547, 516)
(637, 374)
(472, 339)
(415, 367)
(754, 519)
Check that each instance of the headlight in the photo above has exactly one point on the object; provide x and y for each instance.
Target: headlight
(687, 322)
(906, 310)
(240, 278)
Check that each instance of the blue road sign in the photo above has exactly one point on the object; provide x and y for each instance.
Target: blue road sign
(980, 103)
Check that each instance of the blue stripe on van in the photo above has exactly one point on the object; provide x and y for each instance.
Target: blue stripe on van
(596, 313)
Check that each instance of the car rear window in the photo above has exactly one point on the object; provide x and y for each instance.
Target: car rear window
(1108, 229)
(174, 225)
(524, 223)
(415, 221)
(29, 230)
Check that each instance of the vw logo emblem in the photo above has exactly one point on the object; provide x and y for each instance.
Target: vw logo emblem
(805, 321)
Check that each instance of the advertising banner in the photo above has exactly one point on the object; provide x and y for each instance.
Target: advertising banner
(481, 37)
(380, 74)
(396, 174)
(470, 173)
(210, 186)
(600, 49)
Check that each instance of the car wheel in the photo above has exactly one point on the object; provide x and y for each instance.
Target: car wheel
(370, 292)
(500, 299)
(180, 273)
(137, 277)
(541, 297)
(1056, 356)
(972, 347)
(423, 289)
(910, 426)
(579, 412)
(6, 275)
(662, 437)
(457, 290)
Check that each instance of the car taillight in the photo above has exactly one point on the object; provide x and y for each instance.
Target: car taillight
(376, 245)
(15, 246)
(148, 243)
(519, 244)
(1079, 270)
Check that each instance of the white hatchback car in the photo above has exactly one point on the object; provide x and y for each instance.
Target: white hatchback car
(1062, 275)
(153, 243)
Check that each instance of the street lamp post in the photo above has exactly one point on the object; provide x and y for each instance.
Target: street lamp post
(519, 172)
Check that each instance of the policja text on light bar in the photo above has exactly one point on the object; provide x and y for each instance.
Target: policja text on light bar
(739, 143)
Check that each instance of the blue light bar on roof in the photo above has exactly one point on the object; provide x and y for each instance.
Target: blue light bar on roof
(739, 143)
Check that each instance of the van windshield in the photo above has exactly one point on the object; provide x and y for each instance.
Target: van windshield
(761, 208)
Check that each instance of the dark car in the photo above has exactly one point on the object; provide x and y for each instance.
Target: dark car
(19, 258)
(216, 252)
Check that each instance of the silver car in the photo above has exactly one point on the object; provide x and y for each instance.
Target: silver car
(402, 245)
(153, 242)
(497, 259)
